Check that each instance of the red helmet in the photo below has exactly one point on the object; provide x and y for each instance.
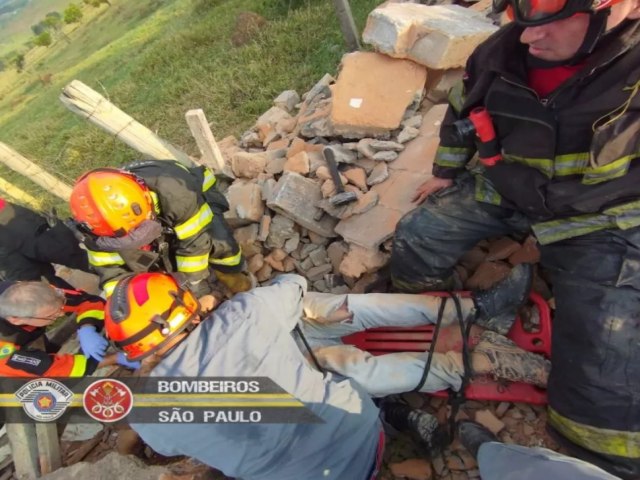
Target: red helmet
(110, 202)
(539, 12)
(146, 311)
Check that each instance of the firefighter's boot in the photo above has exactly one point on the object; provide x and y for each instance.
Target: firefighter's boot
(497, 307)
(472, 435)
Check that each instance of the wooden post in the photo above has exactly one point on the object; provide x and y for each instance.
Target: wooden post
(92, 106)
(211, 155)
(48, 447)
(24, 449)
(34, 172)
(347, 25)
(18, 194)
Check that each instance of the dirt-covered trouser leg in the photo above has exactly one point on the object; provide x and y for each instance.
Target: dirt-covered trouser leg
(328, 318)
(430, 239)
(594, 387)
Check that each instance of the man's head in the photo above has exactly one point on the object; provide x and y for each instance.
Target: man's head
(556, 30)
(149, 312)
(34, 304)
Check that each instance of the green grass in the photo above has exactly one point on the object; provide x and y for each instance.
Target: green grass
(156, 59)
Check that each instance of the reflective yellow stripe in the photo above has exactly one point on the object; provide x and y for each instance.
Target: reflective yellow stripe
(561, 165)
(97, 314)
(615, 169)
(545, 165)
(623, 216)
(209, 179)
(195, 224)
(192, 264)
(626, 215)
(457, 97)
(101, 259)
(556, 230)
(454, 157)
(601, 440)
(79, 366)
(156, 202)
(108, 287)
(571, 164)
(485, 192)
(231, 261)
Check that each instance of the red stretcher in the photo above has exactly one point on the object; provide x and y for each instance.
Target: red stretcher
(380, 341)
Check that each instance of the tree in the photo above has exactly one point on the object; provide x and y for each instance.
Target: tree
(19, 62)
(53, 20)
(72, 13)
(38, 28)
(43, 40)
(2, 66)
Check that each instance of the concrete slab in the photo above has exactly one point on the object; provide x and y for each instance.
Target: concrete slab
(369, 104)
(437, 36)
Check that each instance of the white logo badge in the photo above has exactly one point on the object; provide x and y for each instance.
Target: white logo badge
(44, 400)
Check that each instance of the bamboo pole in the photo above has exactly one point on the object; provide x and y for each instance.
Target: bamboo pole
(211, 155)
(89, 104)
(34, 172)
(347, 24)
(18, 194)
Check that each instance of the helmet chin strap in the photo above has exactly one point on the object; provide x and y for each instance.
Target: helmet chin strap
(595, 32)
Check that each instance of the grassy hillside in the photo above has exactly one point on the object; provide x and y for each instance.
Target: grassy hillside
(158, 58)
(15, 26)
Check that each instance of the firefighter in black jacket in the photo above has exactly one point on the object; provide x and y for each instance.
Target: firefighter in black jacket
(29, 245)
(561, 85)
(157, 216)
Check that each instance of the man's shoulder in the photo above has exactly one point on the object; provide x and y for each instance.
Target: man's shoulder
(156, 168)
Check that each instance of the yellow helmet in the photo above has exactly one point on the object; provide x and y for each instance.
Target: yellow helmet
(146, 311)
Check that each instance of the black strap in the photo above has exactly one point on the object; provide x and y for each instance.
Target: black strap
(432, 348)
(163, 250)
(298, 330)
(148, 330)
(456, 399)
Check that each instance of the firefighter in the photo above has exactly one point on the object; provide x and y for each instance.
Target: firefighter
(31, 243)
(560, 85)
(27, 308)
(157, 216)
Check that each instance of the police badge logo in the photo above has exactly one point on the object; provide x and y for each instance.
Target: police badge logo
(44, 400)
(107, 400)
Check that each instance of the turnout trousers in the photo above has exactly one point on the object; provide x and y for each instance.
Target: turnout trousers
(594, 387)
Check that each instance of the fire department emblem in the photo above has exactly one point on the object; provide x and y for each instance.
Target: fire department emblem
(44, 400)
(107, 400)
